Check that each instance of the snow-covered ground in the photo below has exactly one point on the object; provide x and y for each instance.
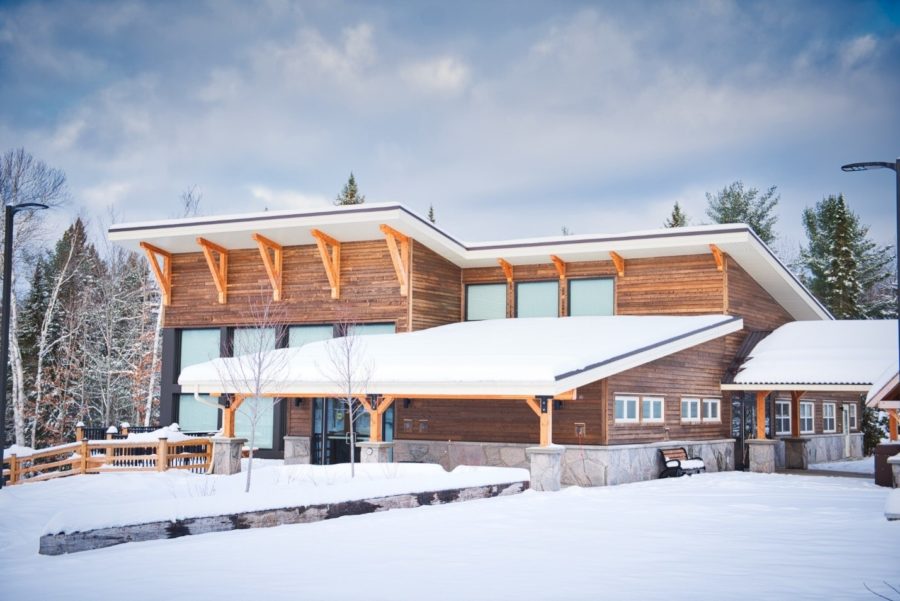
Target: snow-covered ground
(856, 466)
(715, 536)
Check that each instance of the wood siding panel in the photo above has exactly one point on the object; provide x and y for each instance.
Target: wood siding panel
(748, 299)
(299, 421)
(687, 285)
(436, 289)
(370, 291)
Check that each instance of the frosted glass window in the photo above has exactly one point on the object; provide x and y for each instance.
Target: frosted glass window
(249, 341)
(485, 301)
(591, 297)
(194, 416)
(370, 329)
(300, 335)
(198, 346)
(264, 411)
(537, 299)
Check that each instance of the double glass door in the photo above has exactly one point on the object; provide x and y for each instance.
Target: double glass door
(331, 431)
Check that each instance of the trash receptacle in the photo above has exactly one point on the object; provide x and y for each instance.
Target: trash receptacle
(884, 475)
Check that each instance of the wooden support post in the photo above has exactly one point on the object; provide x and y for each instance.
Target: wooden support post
(330, 251)
(563, 289)
(13, 469)
(85, 453)
(398, 245)
(79, 432)
(892, 424)
(619, 262)
(543, 408)
(162, 273)
(719, 256)
(761, 414)
(162, 455)
(228, 416)
(795, 412)
(510, 291)
(273, 263)
(218, 267)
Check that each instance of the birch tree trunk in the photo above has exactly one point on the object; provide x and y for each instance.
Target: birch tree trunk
(154, 362)
(18, 372)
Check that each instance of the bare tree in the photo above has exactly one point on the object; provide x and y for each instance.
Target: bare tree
(350, 370)
(256, 365)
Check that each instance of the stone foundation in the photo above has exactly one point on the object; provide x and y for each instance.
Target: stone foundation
(296, 450)
(818, 448)
(375, 452)
(894, 462)
(762, 455)
(796, 453)
(226, 455)
(545, 468)
(580, 465)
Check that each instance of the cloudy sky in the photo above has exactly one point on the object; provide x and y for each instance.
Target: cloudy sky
(511, 118)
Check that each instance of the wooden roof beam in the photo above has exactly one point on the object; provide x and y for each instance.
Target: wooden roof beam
(619, 262)
(507, 270)
(273, 263)
(330, 251)
(560, 266)
(162, 273)
(719, 256)
(218, 266)
(398, 245)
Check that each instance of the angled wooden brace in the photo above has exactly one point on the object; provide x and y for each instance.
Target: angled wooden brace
(619, 262)
(217, 267)
(273, 263)
(398, 245)
(330, 251)
(163, 274)
(560, 265)
(719, 256)
(507, 270)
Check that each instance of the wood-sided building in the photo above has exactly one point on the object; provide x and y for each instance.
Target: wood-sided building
(386, 269)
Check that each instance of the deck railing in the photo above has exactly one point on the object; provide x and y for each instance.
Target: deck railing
(99, 456)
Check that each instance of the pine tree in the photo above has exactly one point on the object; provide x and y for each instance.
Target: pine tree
(677, 218)
(350, 194)
(734, 204)
(849, 273)
(431, 214)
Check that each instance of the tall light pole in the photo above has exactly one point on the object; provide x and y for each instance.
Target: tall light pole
(4, 321)
(896, 167)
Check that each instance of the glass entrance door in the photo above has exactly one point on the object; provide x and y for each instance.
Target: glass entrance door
(743, 426)
(331, 431)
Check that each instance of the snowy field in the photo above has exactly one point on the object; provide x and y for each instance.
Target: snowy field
(714, 536)
(856, 466)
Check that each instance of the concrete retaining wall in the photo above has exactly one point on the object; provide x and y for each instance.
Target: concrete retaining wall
(822, 448)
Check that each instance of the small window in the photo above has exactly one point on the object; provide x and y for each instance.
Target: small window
(782, 417)
(626, 409)
(537, 299)
(853, 416)
(690, 410)
(828, 417)
(652, 409)
(807, 418)
(711, 410)
(407, 425)
(423, 426)
(593, 296)
(485, 301)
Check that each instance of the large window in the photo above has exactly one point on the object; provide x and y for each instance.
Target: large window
(198, 346)
(370, 329)
(537, 299)
(782, 417)
(263, 412)
(807, 418)
(250, 341)
(829, 424)
(690, 409)
(626, 408)
(485, 301)
(300, 335)
(195, 416)
(593, 296)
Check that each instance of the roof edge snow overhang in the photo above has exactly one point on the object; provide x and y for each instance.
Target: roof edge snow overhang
(358, 223)
(792, 386)
(889, 388)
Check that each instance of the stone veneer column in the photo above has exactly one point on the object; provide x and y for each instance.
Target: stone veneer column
(226, 455)
(296, 450)
(796, 454)
(894, 462)
(375, 452)
(546, 467)
(762, 456)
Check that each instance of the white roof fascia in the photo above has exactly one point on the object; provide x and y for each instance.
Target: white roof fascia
(781, 386)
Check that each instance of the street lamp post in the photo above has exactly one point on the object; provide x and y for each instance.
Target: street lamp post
(896, 167)
(4, 320)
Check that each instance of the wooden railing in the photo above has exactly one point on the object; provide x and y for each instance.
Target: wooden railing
(98, 456)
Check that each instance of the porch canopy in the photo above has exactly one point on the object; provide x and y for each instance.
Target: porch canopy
(525, 358)
(828, 356)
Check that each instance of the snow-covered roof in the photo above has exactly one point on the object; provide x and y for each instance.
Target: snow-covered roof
(503, 357)
(844, 355)
(885, 391)
(362, 222)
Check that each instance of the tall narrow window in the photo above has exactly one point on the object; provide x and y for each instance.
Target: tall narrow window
(485, 301)
(300, 335)
(782, 417)
(252, 341)
(537, 299)
(853, 416)
(197, 346)
(807, 418)
(829, 423)
(594, 296)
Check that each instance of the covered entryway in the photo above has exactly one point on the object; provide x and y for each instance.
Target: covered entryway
(331, 441)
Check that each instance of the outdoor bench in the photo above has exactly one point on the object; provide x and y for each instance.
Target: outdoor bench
(677, 463)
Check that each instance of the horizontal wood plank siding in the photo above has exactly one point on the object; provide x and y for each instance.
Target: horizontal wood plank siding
(436, 289)
(299, 422)
(370, 291)
(687, 285)
(748, 299)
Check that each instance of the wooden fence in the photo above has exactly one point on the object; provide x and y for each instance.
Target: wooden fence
(99, 456)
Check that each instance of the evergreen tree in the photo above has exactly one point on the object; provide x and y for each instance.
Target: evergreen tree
(350, 194)
(677, 218)
(431, 214)
(734, 204)
(849, 273)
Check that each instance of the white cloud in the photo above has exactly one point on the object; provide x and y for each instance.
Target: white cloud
(445, 75)
(857, 50)
(287, 199)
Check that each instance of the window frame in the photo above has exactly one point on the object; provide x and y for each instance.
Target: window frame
(853, 423)
(626, 398)
(569, 282)
(662, 409)
(825, 418)
(466, 299)
(516, 286)
(718, 404)
(811, 417)
(785, 415)
(695, 401)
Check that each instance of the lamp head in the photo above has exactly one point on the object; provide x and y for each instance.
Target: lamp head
(867, 166)
(28, 206)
